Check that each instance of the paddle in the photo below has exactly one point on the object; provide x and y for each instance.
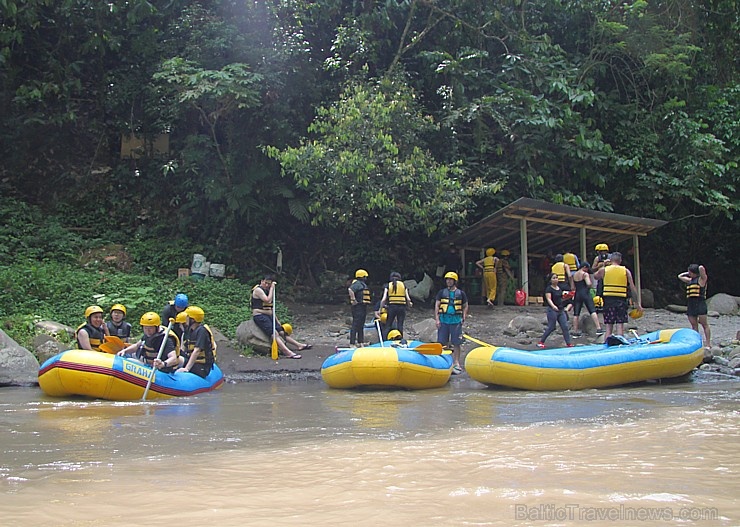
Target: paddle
(274, 348)
(159, 356)
(112, 344)
(486, 344)
(429, 348)
(380, 334)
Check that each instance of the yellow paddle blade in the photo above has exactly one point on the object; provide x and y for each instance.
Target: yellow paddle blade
(431, 348)
(109, 348)
(113, 343)
(274, 350)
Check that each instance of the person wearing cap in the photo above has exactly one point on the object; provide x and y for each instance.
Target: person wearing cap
(503, 274)
(582, 280)
(696, 299)
(147, 349)
(200, 346)
(263, 295)
(450, 312)
(91, 334)
(617, 281)
(359, 299)
(488, 265)
(178, 305)
(395, 299)
(117, 326)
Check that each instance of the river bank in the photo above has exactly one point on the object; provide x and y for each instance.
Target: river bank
(326, 327)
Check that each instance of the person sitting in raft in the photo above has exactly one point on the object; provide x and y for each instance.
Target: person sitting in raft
(178, 305)
(117, 326)
(91, 334)
(147, 349)
(200, 346)
(555, 311)
(395, 299)
(262, 300)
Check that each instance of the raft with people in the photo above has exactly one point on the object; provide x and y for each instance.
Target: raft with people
(112, 377)
(658, 355)
(414, 365)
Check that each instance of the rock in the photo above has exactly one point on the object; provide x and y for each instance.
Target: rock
(421, 291)
(426, 330)
(720, 360)
(676, 308)
(18, 366)
(647, 297)
(248, 334)
(510, 332)
(723, 303)
(54, 328)
(713, 314)
(734, 363)
(735, 352)
(46, 347)
(525, 323)
(586, 324)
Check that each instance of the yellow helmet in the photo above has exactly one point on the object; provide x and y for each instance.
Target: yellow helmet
(91, 310)
(601, 247)
(119, 307)
(598, 301)
(288, 329)
(383, 318)
(195, 313)
(490, 251)
(181, 317)
(150, 318)
(360, 273)
(451, 274)
(394, 334)
(505, 252)
(636, 313)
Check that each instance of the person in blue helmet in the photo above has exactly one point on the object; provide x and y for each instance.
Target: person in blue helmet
(178, 305)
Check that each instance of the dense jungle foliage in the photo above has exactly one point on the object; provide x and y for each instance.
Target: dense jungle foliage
(353, 133)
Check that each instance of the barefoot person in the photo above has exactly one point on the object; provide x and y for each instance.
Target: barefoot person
(263, 295)
(696, 299)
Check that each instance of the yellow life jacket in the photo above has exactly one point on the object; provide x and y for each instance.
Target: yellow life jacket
(615, 281)
(489, 264)
(397, 297)
(365, 294)
(694, 290)
(444, 302)
(205, 357)
(95, 336)
(570, 259)
(559, 269)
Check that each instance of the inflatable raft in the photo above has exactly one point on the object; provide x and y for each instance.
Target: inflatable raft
(658, 355)
(387, 366)
(106, 376)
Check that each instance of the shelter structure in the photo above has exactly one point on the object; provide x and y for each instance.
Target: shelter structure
(536, 227)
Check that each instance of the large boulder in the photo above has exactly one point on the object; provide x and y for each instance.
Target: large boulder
(722, 303)
(420, 291)
(426, 330)
(45, 347)
(248, 334)
(647, 298)
(675, 308)
(18, 366)
(525, 323)
(54, 328)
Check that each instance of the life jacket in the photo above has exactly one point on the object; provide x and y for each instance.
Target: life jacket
(207, 356)
(615, 281)
(559, 269)
(571, 260)
(694, 290)
(444, 302)
(365, 294)
(397, 297)
(489, 264)
(150, 345)
(95, 335)
(122, 331)
(258, 303)
(501, 266)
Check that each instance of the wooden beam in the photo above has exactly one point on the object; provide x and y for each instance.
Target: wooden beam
(575, 225)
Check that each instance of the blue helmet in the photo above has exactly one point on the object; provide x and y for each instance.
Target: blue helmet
(181, 300)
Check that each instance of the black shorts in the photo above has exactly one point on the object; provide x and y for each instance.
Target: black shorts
(615, 310)
(696, 307)
(264, 322)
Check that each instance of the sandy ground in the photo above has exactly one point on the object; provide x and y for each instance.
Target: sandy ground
(326, 326)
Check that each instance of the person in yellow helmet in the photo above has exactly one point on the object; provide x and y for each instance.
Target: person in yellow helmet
(450, 312)
(147, 349)
(600, 261)
(503, 275)
(91, 334)
(488, 265)
(359, 298)
(200, 346)
(117, 326)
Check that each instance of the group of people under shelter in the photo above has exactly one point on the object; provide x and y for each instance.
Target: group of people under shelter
(186, 344)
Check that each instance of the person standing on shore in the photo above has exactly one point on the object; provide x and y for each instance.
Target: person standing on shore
(395, 299)
(696, 299)
(359, 298)
(582, 280)
(555, 311)
(503, 274)
(617, 279)
(488, 265)
(450, 311)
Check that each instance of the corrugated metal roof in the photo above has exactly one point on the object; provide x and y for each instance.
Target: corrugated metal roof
(551, 227)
